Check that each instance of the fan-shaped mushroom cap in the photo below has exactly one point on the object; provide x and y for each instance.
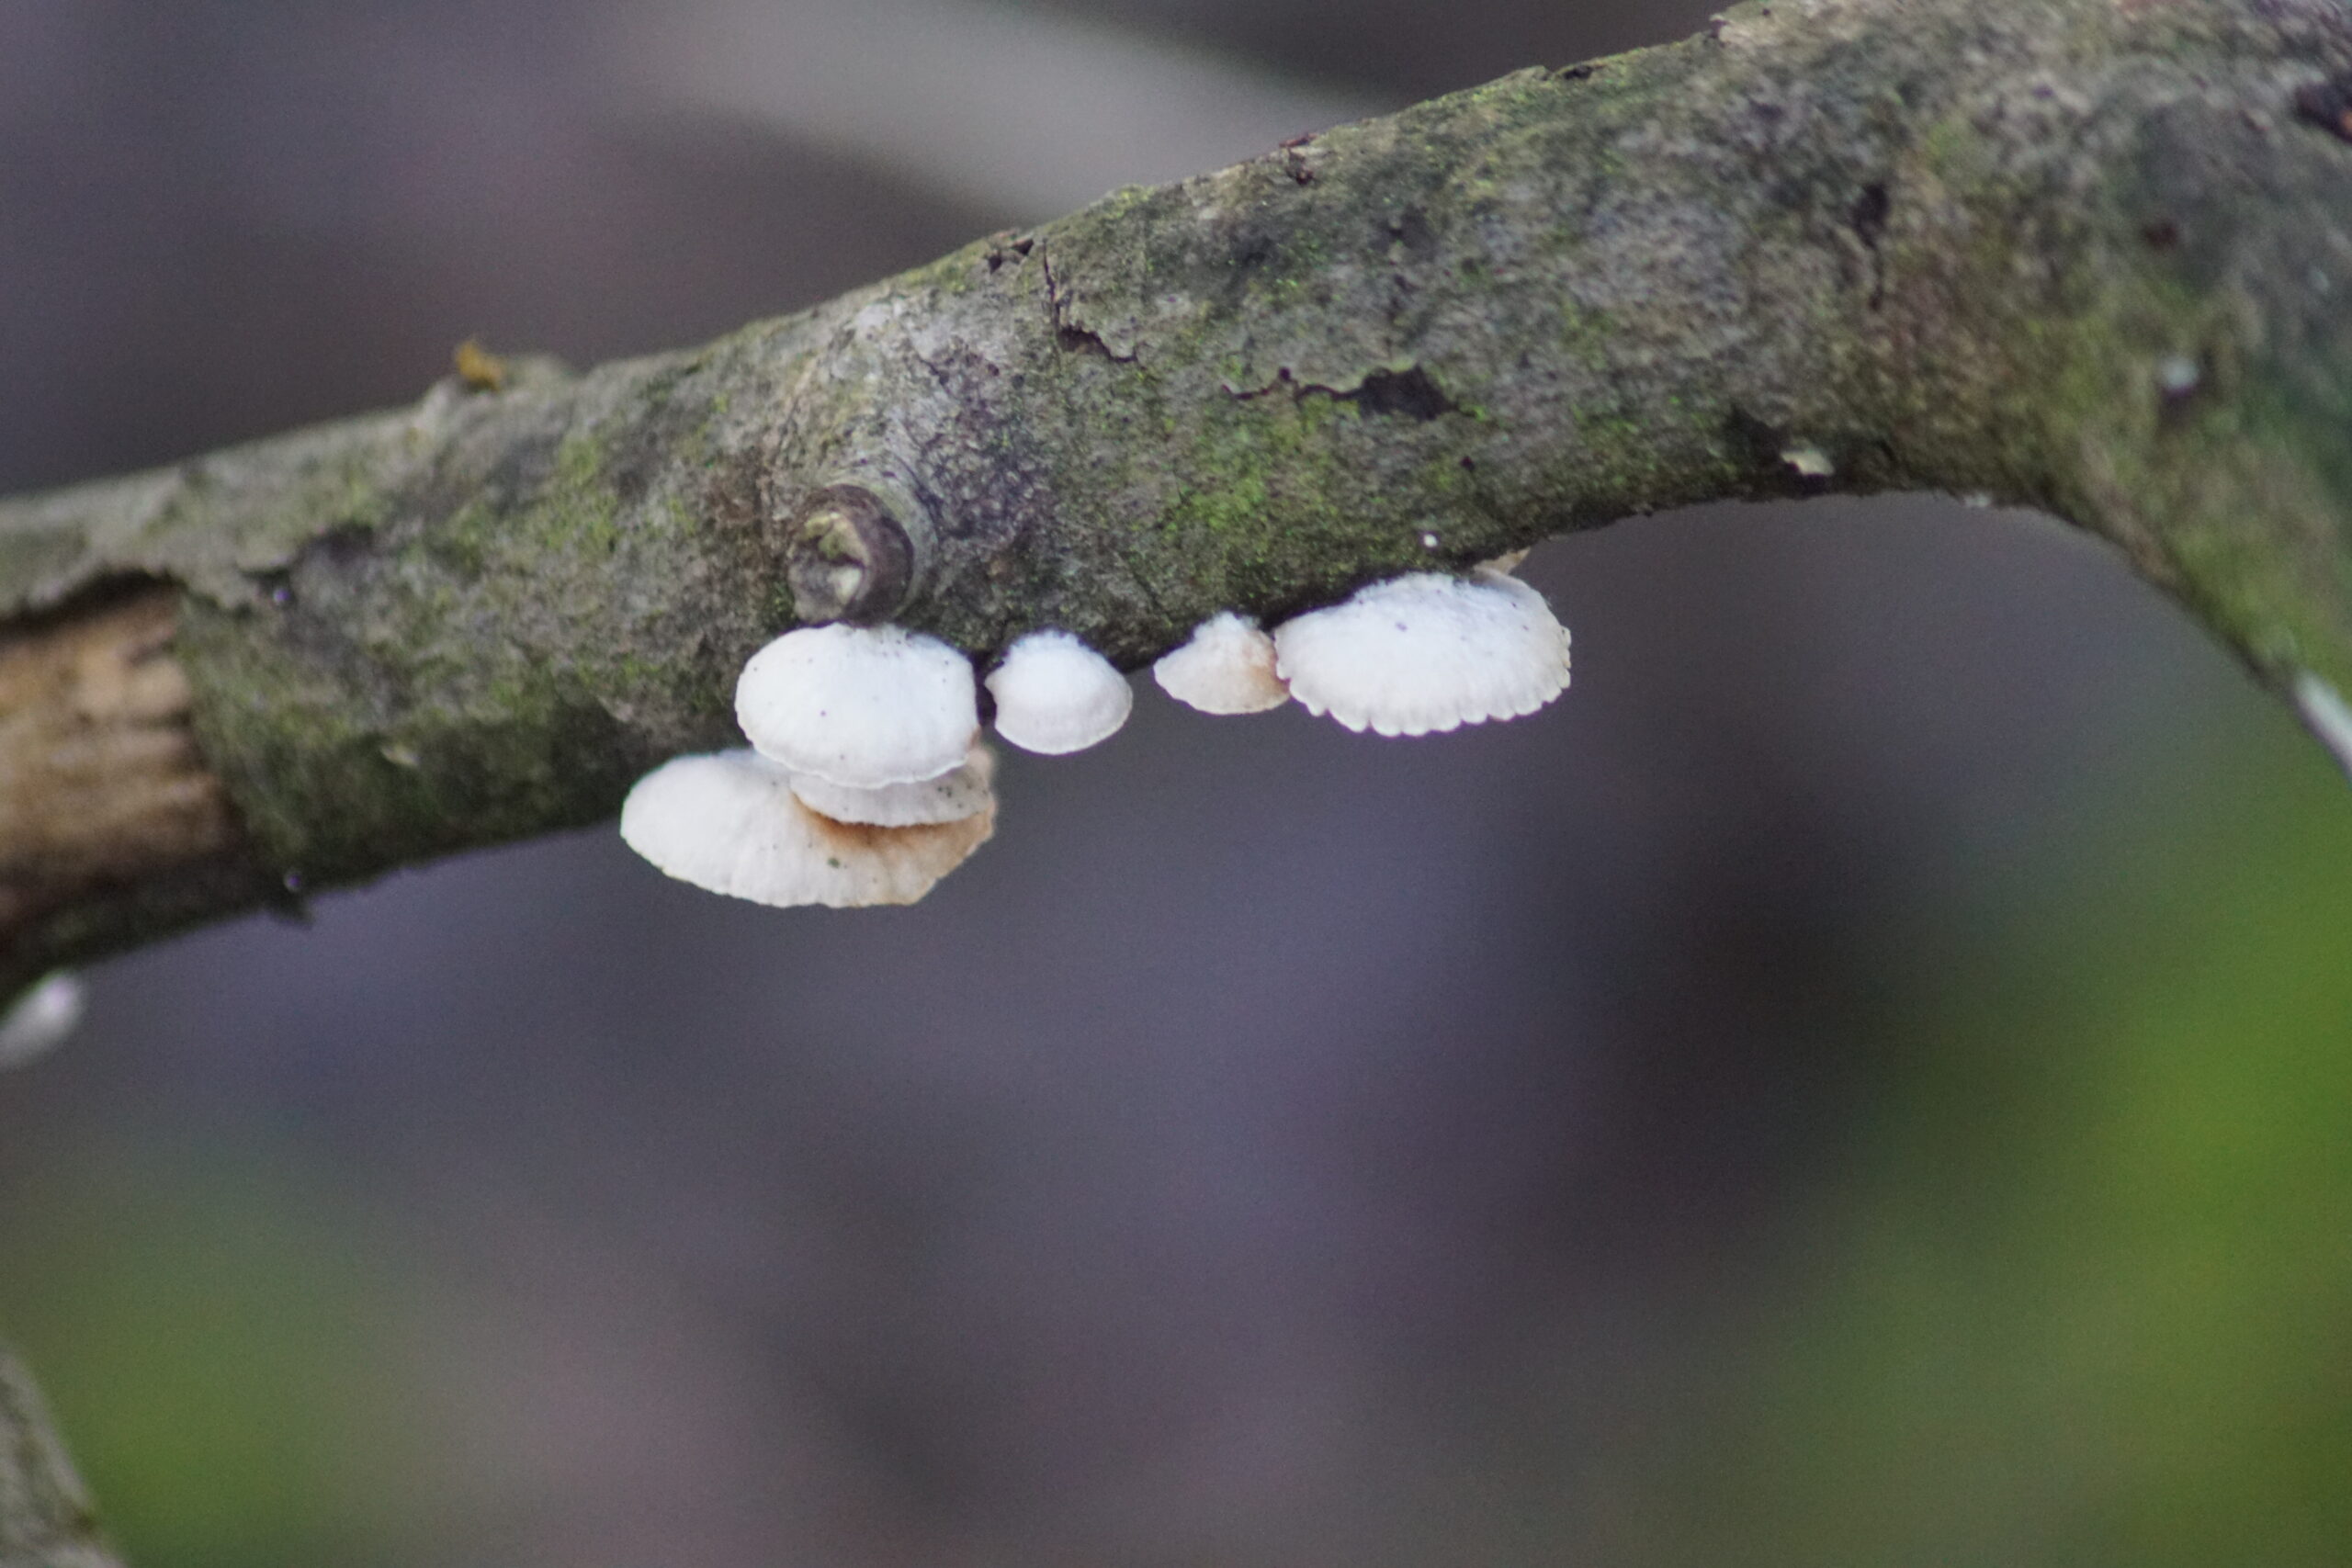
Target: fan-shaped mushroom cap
(951, 797)
(1054, 695)
(864, 706)
(1227, 667)
(728, 822)
(40, 1020)
(1421, 654)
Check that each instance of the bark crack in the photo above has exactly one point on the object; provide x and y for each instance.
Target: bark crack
(1869, 219)
(1410, 393)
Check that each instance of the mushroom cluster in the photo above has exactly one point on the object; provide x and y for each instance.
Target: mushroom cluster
(866, 781)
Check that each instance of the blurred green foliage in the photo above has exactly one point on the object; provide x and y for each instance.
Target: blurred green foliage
(217, 1342)
(2082, 1292)
(2072, 1287)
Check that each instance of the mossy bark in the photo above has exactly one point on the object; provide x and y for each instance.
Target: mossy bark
(2092, 256)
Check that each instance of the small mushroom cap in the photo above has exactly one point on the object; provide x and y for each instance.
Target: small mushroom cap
(1054, 695)
(1227, 667)
(1422, 654)
(951, 797)
(864, 706)
(728, 822)
(41, 1018)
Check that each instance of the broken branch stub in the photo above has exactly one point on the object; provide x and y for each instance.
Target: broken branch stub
(852, 555)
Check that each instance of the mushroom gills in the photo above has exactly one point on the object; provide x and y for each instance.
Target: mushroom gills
(1055, 695)
(1227, 667)
(727, 822)
(1426, 653)
(954, 795)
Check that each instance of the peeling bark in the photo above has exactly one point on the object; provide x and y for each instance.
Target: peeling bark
(2085, 256)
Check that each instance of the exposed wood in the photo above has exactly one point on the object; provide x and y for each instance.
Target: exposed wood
(104, 789)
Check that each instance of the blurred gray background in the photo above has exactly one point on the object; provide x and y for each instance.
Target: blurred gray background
(1865, 1078)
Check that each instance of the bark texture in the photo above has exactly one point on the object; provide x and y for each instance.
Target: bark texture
(45, 1517)
(2093, 257)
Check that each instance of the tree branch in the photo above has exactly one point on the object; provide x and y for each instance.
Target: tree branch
(2085, 256)
(45, 1515)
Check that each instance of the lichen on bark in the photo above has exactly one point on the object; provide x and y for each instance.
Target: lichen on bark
(2085, 255)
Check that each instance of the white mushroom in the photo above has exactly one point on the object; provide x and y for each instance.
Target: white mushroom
(951, 797)
(40, 1020)
(1425, 653)
(1227, 667)
(1054, 695)
(728, 822)
(864, 706)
